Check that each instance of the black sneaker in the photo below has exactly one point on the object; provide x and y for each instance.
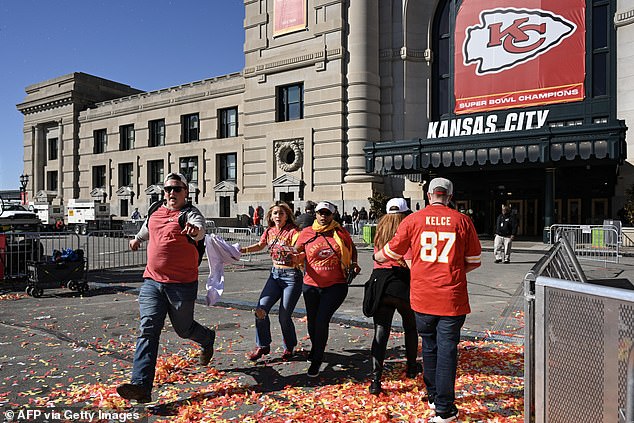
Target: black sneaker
(498, 260)
(431, 402)
(412, 371)
(375, 387)
(507, 261)
(207, 353)
(132, 391)
(313, 369)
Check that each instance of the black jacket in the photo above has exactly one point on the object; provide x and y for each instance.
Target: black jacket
(394, 281)
(304, 220)
(506, 225)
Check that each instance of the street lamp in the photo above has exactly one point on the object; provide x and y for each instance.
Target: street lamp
(24, 181)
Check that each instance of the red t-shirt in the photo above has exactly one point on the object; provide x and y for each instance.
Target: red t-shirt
(280, 243)
(391, 262)
(256, 217)
(171, 257)
(443, 242)
(324, 264)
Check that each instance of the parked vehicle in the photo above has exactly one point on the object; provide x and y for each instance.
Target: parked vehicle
(85, 215)
(49, 214)
(16, 216)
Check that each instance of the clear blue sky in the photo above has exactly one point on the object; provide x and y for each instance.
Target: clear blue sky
(147, 44)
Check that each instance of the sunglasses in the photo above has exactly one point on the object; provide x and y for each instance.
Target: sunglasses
(169, 189)
(324, 212)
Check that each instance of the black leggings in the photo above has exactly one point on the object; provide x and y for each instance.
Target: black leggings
(321, 304)
(383, 326)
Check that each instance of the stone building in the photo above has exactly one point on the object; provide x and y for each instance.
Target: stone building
(338, 99)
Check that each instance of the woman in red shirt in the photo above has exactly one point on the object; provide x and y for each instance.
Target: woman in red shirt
(284, 282)
(329, 255)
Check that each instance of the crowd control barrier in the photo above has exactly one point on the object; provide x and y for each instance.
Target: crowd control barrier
(244, 237)
(591, 242)
(578, 345)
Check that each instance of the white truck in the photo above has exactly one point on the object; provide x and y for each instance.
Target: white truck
(49, 214)
(85, 215)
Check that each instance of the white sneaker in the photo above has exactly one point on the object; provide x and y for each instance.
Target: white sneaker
(438, 419)
(453, 417)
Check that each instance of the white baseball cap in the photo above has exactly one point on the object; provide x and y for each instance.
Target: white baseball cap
(441, 186)
(177, 177)
(396, 205)
(325, 205)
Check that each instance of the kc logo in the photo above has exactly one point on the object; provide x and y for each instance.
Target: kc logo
(508, 37)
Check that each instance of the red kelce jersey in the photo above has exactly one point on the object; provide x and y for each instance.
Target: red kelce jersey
(443, 242)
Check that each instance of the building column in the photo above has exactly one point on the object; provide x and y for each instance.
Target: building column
(549, 197)
(37, 162)
(60, 160)
(364, 103)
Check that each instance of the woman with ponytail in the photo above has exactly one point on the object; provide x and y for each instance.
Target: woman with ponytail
(330, 259)
(388, 291)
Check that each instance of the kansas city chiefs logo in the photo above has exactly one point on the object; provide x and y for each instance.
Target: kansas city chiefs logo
(508, 37)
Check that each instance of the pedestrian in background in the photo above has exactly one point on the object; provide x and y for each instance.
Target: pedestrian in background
(355, 221)
(308, 217)
(445, 246)
(136, 215)
(170, 285)
(387, 292)
(505, 231)
(284, 283)
(330, 256)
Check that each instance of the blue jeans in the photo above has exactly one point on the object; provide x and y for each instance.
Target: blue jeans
(156, 301)
(440, 338)
(321, 304)
(284, 284)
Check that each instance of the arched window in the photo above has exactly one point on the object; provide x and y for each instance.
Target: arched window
(442, 65)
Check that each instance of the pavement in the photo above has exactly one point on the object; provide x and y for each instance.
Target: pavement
(54, 348)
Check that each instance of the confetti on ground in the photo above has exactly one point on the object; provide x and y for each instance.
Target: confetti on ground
(489, 388)
(55, 361)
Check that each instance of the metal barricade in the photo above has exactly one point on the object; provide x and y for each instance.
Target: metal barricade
(244, 237)
(579, 338)
(559, 262)
(22, 247)
(591, 242)
(111, 250)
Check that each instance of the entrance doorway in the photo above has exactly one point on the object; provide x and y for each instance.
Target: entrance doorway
(288, 198)
(123, 208)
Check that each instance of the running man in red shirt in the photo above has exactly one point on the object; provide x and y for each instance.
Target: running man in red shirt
(170, 285)
(445, 247)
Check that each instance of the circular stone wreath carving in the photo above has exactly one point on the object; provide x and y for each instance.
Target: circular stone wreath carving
(289, 156)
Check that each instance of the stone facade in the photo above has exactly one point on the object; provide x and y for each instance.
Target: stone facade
(365, 69)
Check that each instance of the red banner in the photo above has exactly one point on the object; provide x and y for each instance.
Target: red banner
(518, 54)
(288, 16)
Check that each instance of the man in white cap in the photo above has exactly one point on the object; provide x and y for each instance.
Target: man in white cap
(445, 247)
(170, 286)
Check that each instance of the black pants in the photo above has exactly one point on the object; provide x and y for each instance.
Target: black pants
(383, 326)
(321, 304)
